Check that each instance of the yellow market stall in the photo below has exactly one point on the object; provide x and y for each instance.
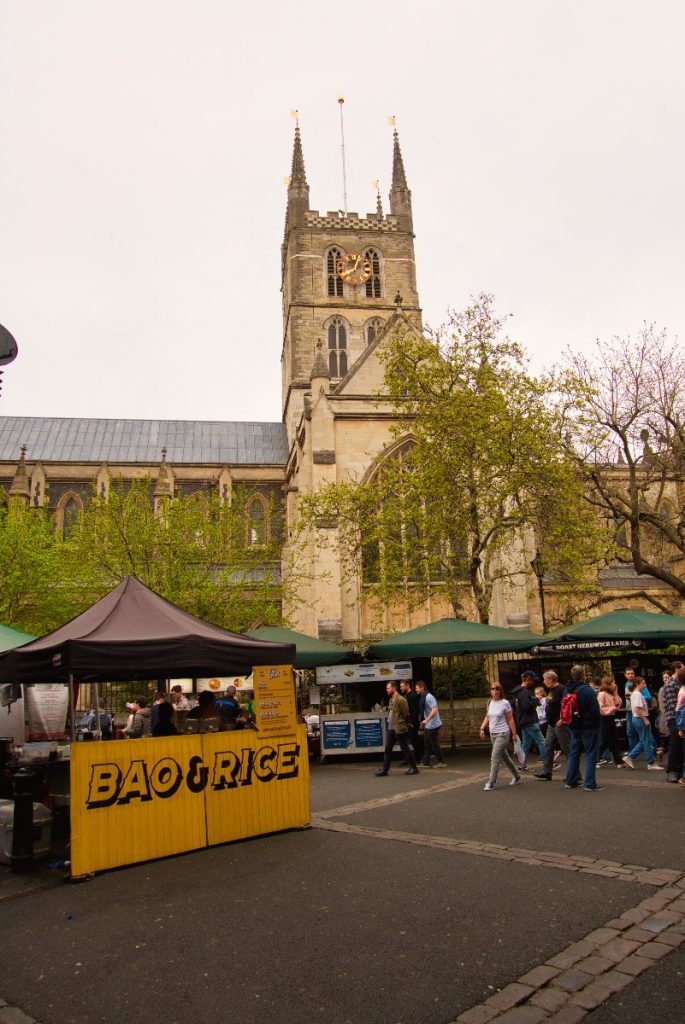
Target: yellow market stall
(132, 801)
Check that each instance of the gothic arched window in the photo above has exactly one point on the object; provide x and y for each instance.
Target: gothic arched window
(371, 329)
(373, 285)
(337, 346)
(257, 522)
(334, 285)
(68, 511)
(403, 544)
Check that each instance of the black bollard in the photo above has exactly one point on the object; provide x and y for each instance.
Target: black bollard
(22, 830)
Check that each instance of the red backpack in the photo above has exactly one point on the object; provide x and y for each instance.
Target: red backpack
(569, 713)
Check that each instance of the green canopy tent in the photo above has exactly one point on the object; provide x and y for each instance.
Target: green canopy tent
(452, 636)
(448, 637)
(623, 629)
(11, 638)
(310, 651)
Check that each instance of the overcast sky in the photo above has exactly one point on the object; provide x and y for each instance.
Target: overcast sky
(145, 144)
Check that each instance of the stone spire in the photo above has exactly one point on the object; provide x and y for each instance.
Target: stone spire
(164, 487)
(400, 196)
(297, 173)
(319, 370)
(379, 204)
(21, 487)
(399, 178)
(298, 189)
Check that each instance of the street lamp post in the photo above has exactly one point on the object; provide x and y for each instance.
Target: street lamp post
(539, 569)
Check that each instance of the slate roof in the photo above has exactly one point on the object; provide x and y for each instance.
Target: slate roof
(623, 576)
(202, 442)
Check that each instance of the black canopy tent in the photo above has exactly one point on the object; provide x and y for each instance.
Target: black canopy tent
(133, 633)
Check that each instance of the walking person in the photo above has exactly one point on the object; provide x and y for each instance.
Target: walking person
(413, 702)
(669, 696)
(398, 731)
(499, 720)
(631, 734)
(429, 719)
(558, 734)
(524, 706)
(609, 703)
(585, 725)
(641, 725)
(541, 694)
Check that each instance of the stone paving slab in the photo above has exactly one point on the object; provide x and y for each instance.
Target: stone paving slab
(612, 965)
(567, 862)
(653, 997)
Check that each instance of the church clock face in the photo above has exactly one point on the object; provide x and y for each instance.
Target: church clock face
(354, 268)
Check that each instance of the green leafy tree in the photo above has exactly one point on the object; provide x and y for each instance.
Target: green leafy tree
(199, 552)
(30, 564)
(625, 433)
(477, 466)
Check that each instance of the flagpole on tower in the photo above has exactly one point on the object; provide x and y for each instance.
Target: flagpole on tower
(341, 102)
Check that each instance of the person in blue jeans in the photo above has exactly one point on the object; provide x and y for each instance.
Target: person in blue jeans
(645, 740)
(585, 732)
(524, 706)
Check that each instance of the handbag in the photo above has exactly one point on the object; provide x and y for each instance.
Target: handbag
(518, 750)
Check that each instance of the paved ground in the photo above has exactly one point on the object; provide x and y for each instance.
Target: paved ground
(412, 899)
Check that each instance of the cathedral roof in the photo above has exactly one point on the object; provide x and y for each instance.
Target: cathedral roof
(191, 441)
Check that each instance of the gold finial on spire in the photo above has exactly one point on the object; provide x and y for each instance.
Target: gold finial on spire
(379, 205)
(392, 120)
(295, 114)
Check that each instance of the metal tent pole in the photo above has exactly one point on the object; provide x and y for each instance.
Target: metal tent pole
(72, 709)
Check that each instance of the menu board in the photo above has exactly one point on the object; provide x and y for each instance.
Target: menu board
(48, 704)
(368, 732)
(337, 735)
(352, 734)
(274, 696)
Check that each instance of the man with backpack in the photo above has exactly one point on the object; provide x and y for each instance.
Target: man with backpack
(90, 722)
(580, 711)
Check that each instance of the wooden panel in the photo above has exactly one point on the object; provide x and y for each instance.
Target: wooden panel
(258, 784)
(135, 800)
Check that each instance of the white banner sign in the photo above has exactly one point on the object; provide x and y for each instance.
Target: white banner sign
(379, 672)
(48, 704)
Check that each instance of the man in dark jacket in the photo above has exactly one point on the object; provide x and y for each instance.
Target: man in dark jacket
(585, 732)
(524, 705)
(412, 699)
(674, 767)
(558, 734)
(397, 731)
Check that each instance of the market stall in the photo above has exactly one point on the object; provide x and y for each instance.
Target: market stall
(625, 629)
(450, 638)
(352, 720)
(135, 800)
(11, 702)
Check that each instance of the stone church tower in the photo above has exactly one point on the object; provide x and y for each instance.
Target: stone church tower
(348, 281)
(340, 273)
